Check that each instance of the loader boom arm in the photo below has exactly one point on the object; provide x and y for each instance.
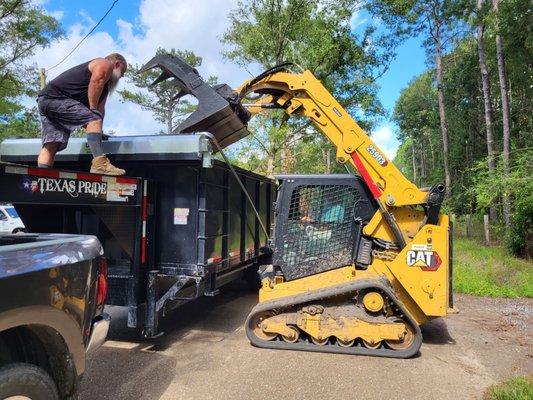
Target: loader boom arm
(303, 94)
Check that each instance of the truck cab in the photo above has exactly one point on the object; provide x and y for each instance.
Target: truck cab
(10, 221)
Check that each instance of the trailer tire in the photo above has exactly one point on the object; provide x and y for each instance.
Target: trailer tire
(31, 381)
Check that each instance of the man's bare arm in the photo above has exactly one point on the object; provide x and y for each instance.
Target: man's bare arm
(101, 70)
(101, 106)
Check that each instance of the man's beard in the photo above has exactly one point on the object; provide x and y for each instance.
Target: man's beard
(113, 80)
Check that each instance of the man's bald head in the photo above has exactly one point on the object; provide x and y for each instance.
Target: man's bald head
(114, 57)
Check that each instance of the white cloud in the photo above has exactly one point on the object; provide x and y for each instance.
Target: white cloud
(195, 25)
(356, 20)
(384, 137)
(57, 14)
(39, 3)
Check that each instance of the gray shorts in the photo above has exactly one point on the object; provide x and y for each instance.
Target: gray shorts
(60, 117)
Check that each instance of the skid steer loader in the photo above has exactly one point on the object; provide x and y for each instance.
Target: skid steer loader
(359, 261)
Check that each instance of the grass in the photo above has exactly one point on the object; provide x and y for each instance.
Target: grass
(517, 388)
(490, 271)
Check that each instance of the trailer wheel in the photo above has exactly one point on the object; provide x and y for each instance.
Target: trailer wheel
(251, 276)
(26, 381)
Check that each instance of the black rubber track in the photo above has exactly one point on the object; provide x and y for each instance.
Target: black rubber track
(325, 293)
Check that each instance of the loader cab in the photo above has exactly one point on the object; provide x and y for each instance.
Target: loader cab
(318, 222)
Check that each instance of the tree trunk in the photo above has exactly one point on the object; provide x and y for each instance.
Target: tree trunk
(423, 155)
(442, 107)
(486, 97)
(327, 159)
(270, 166)
(170, 116)
(432, 152)
(286, 160)
(502, 76)
(414, 160)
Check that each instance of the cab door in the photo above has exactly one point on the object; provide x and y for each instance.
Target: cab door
(4, 221)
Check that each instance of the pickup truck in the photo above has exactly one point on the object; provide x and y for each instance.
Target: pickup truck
(10, 221)
(52, 292)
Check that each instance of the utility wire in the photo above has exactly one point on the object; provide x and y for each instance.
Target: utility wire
(85, 37)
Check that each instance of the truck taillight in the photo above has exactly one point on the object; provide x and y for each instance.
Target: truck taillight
(101, 292)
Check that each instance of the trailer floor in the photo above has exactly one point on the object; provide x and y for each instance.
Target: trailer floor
(205, 355)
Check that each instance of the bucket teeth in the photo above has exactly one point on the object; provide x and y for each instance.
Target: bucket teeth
(219, 110)
(163, 77)
(179, 95)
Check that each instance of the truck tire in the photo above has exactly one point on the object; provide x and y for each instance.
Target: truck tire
(28, 381)
(19, 230)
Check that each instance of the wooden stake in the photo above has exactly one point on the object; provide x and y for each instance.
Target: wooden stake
(486, 226)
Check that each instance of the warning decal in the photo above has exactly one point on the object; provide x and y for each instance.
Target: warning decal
(180, 216)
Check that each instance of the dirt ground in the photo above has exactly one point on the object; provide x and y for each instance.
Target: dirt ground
(205, 355)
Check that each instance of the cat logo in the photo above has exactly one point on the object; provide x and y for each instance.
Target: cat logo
(423, 257)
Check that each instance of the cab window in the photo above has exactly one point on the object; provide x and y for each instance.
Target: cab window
(11, 212)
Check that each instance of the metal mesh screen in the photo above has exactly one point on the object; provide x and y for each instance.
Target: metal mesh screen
(318, 233)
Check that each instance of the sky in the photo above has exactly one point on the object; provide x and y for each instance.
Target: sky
(135, 28)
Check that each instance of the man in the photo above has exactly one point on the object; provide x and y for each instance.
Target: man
(77, 98)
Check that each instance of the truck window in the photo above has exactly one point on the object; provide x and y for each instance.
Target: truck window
(3, 217)
(11, 212)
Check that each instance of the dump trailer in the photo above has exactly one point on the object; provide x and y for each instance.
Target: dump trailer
(360, 262)
(178, 227)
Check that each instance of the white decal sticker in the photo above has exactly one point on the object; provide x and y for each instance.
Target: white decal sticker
(377, 155)
(180, 216)
(71, 187)
(118, 191)
(424, 257)
(421, 247)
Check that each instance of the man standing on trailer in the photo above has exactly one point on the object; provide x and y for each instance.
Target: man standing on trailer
(77, 98)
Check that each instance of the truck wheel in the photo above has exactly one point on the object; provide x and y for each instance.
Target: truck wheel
(26, 381)
(19, 230)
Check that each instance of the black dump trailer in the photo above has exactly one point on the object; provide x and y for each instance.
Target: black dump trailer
(178, 227)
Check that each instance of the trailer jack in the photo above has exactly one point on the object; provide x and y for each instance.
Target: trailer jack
(156, 306)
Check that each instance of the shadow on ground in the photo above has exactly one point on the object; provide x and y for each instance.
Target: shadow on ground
(206, 314)
(436, 332)
(207, 319)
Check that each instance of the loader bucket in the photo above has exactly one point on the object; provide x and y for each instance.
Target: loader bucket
(219, 111)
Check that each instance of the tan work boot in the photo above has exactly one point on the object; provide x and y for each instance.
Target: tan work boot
(102, 165)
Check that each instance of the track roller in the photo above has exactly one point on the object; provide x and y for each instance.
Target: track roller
(319, 342)
(293, 336)
(343, 343)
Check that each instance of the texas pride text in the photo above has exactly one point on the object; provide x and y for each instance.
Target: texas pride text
(72, 187)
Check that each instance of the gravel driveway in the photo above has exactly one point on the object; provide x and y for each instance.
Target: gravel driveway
(205, 355)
